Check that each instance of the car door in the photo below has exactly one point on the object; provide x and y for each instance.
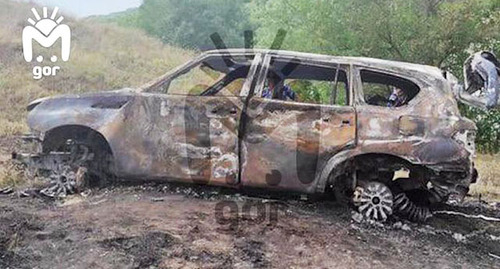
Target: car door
(194, 137)
(286, 142)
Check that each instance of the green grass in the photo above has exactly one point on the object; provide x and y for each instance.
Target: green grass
(10, 175)
(488, 184)
(103, 57)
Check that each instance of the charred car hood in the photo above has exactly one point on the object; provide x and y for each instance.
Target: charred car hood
(104, 94)
(91, 109)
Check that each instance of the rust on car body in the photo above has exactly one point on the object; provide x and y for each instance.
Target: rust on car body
(245, 140)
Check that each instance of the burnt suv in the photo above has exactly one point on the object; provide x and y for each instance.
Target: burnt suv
(207, 122)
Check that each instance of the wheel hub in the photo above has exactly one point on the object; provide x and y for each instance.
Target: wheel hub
(374, 201)
(68, 175)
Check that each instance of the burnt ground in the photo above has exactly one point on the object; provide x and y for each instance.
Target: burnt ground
(176, 226)
(180, 226)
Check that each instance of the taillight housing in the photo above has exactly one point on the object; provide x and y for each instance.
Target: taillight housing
(467, 139)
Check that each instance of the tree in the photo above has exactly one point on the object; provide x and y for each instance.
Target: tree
(189, 23)
(442, 33)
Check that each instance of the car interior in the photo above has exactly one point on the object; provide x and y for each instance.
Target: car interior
(312, 83)
(378, 87)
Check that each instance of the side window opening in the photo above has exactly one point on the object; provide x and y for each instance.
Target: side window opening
(386, 90)
(306, 83)
(229, 85)
(214, 76)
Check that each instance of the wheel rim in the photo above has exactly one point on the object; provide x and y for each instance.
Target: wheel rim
(69, 175)
(374, 201)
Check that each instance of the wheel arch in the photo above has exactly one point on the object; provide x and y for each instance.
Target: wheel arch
(337, 164)
(53, 137)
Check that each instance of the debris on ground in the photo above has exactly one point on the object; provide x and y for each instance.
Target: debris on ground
(486, 218)
(401, 226)
(459, 237)
(5, 191)
(23, 194)
(157, 199)
(357, 217)
(116, 229)
(494, 256)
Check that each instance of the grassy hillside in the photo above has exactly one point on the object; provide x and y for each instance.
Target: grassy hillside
(126, 18)
(489, 177)
(102, 57)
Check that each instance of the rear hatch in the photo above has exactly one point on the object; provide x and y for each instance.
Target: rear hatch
(476, 99)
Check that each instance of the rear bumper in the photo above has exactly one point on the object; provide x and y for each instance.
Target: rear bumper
(452, 180)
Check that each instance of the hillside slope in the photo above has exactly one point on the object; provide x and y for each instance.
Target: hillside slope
(102, 57)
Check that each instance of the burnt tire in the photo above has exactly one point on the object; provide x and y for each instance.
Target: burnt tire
(89, 165)
(406, 208)
(412, 200)
(342, 190)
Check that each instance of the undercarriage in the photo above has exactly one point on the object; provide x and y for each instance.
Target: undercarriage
(380, 186)
(65, 168)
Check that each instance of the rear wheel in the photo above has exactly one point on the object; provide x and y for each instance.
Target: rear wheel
(412, 203)
(369, 185)
(374, 200)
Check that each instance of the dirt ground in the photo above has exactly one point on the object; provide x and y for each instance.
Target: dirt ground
(183, 226)
(176, 226)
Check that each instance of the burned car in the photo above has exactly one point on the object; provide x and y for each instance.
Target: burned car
(211, 122)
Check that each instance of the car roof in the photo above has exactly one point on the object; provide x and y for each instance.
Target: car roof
(395, 66)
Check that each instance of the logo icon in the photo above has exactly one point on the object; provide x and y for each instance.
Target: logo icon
(46, 31)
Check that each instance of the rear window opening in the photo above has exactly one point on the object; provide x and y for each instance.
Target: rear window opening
(306, 82)
(381, 89)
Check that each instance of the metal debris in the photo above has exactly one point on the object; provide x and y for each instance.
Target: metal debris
(459, 237)
(357, 217)
(402, 226)
(23, 194)
(6, 191)
(494, 256)
(486, 218)
(86, 193)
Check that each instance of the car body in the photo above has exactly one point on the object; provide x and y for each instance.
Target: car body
(227, 134)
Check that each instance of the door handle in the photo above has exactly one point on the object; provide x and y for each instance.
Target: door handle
(346, 122)
(233, 110)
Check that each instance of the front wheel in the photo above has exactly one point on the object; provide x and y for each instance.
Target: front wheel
(84, 165)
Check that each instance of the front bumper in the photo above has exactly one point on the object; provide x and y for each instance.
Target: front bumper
(35, 159)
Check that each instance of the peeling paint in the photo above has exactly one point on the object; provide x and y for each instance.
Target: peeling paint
(258, 142)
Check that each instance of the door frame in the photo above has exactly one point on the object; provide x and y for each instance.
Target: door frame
(242, 97)
(347, 67)
(331, 63)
